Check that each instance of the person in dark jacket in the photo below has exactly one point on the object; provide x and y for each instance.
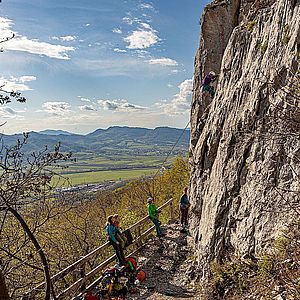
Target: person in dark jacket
(208, 79)
(113, 234)
(153, 216)
(184, 207)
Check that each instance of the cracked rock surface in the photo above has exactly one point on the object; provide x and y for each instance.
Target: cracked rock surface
(245, 142)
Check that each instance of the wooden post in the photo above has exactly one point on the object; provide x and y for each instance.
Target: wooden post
(171, 211)
(138, 230)
(82, 275)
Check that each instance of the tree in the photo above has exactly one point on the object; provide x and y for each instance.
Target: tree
(25, 187)
(7, 96)
(3, 289)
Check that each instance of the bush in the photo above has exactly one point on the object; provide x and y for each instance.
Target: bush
(286, 36)
(250, 25)
(275, 271)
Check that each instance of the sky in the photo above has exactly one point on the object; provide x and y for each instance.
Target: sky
(84, 65)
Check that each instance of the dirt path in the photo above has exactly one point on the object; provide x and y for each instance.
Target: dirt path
(165, 262)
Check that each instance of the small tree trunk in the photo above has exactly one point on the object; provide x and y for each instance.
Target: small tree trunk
(38, 249)
(3, 289)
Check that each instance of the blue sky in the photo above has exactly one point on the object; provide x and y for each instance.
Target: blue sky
(84, 65)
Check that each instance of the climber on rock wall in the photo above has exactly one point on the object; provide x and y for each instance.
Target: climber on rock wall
(208, 79)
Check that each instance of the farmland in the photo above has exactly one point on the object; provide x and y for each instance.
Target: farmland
(89, 168)
(116, 153)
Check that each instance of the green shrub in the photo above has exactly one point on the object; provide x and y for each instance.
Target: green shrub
(286, 36)
(250, 25)
(265, 266)
(229, 275)
(258, 45)
(258, 276)
(264, 47)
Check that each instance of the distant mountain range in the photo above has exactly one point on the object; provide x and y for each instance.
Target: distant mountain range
(114, 140)
(55, 132)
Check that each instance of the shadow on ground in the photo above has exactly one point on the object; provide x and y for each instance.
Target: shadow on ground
(164, 261)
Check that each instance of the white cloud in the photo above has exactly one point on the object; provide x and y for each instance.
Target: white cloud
(68, 38)
(57, 108)
(37, 47)
(146, 6)
(112, 67)
(84, 99)
(87, 108)
(87, 25)
(119, 105)
(146, 26)
(180, 104)
(170, 85)
(117, 30)
(16, 84)
(141, 39)
(142, 53)
(163, 61)
(120, 50)
(27, 78)
(34, 46)
(7, 113)
(130, 20)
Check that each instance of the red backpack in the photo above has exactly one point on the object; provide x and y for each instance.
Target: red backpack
(90, 296)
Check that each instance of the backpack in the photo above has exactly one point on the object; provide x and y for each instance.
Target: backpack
(132, 263)
(129, 238)
(90, 296)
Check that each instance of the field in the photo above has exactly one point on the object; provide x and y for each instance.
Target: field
(91, 168)
(101, 176)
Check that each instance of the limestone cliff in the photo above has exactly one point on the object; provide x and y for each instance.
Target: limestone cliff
(245, 142)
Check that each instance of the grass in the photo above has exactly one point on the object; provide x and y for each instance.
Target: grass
(101, 176)
(88, 163)
(259, 277)
(94, 168)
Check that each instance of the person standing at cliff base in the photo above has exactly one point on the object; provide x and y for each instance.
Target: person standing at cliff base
(153, 216)
(184, 207)
(113, 234)
(208, 79)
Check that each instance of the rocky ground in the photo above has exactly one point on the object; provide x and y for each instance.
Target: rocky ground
(167, 262)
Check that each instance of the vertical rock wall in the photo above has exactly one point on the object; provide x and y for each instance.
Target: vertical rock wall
(245, 142)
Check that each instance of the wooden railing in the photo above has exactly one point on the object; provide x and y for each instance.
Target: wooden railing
(84, 273)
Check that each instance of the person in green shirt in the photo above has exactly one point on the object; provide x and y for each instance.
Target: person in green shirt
(153, 216)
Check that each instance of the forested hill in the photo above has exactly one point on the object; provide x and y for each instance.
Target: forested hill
(115, 139)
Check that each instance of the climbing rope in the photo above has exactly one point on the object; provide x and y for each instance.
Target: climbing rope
(163, 163)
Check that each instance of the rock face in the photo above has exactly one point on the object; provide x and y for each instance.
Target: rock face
(245, 142)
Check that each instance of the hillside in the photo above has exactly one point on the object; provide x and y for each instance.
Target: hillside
(112, 141)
